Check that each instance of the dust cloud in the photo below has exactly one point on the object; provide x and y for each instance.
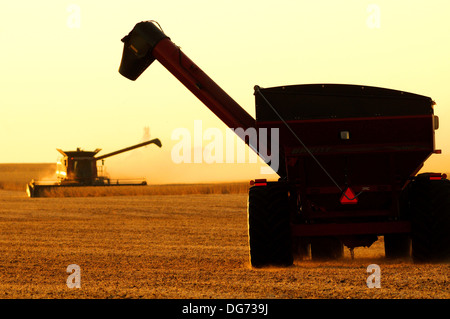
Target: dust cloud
(157, 167)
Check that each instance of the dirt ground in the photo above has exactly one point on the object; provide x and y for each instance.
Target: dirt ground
(175, 246)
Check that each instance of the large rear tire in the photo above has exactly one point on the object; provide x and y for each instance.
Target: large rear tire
(269, 226)
(429, 208)
(397, 246)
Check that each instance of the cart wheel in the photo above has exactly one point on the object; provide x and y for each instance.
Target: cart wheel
(269, 226)
(429, 208)
(397, 245)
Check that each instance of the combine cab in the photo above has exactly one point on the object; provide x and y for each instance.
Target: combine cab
(79, 168)
(349, 162)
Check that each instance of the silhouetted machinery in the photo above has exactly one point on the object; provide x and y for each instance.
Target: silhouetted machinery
(79, 168)
(349, 159)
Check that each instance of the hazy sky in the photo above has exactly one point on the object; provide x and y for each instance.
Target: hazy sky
(60, 87)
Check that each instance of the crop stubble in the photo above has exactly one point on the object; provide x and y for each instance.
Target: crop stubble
(175, 246)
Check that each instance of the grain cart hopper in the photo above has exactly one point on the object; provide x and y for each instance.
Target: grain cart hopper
(79, 168)
(349, 162)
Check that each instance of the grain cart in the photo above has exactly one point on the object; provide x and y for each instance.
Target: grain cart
(350, 157)
(79, 168)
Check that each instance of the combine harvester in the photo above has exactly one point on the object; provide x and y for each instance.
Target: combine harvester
(349, 162)
(79, 168)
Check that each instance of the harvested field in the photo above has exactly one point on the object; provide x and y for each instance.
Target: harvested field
(175, 246)
(169, 189)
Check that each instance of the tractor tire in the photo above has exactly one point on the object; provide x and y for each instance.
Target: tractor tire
(397, 246)
(269, 226)
(326, 248)
(429, 208)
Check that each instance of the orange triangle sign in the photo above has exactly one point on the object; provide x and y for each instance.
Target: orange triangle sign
(348, 197)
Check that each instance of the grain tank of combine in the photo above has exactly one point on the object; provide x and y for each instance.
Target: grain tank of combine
(80, 168)
(77, 167)
(349, 161)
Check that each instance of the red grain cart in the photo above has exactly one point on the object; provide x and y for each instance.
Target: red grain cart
(348, 162)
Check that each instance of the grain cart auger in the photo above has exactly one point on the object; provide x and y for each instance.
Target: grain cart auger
(350, 157)
(79, 168)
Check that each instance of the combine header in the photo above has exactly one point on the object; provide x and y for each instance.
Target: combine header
(79, 168)
(349, 162)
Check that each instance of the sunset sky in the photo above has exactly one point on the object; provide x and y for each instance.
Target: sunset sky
(60, 86)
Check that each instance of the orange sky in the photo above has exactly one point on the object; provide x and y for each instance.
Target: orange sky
(60, 87)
